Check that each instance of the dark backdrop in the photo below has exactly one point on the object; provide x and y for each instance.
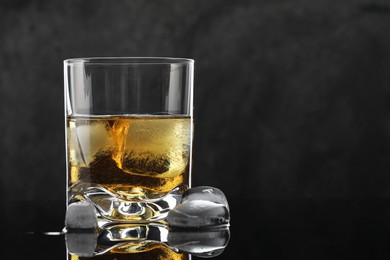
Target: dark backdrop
(292, 97)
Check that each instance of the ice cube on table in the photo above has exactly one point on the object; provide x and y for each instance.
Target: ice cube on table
(202, 206)
(205, 193)
(80, 215)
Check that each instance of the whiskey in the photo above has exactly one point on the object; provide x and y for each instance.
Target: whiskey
(133, 157)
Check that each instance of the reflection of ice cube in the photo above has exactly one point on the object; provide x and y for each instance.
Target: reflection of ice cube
(200, 207)
(81, 244)
(204, 243)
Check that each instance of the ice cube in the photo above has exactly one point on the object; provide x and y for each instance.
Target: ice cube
(205, 193)
(90, 139)
(201, 206)
(80, 215)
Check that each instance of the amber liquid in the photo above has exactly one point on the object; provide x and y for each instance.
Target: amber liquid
(144, 251)
(134, 157)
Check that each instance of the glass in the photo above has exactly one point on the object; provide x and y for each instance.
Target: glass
(128, 135)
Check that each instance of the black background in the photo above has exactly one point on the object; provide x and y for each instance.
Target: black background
(292, 115)
(292, 97)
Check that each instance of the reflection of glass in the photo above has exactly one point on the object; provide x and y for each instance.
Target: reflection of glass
(129, 134)
(146, 241)
(138, 250)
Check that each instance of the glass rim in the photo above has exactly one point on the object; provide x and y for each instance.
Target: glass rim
(127, 61)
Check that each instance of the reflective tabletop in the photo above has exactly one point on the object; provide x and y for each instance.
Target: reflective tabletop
(259, 229)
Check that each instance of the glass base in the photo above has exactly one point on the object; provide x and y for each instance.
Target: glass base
(124, 241)
(110, 208)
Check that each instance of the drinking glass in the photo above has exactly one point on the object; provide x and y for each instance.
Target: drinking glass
(129, 131)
